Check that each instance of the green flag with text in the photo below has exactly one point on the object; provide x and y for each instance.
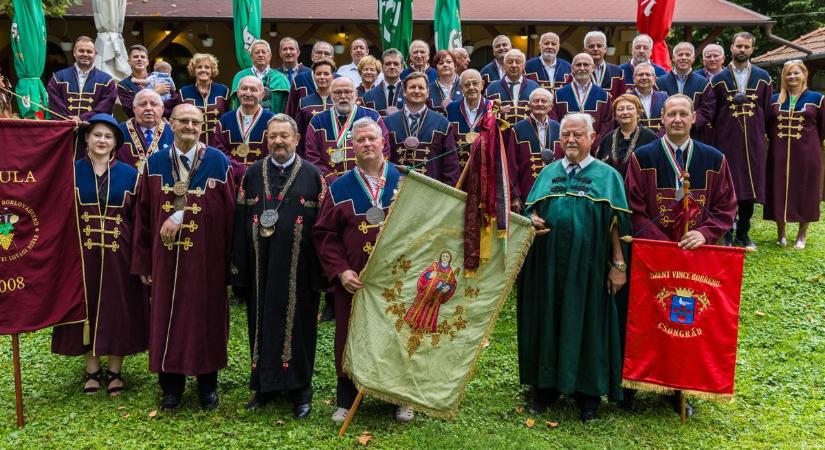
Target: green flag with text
(246, 15)
(395, 24)
(447, 23)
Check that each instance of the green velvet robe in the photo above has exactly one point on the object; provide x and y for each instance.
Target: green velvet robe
(569, 332)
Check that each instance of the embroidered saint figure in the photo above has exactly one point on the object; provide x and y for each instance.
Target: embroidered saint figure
(436, 285)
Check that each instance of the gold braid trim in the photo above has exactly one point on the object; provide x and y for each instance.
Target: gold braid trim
(286, 356)
(658, 389)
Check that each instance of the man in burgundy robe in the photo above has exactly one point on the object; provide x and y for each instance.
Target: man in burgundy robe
(136, 81)
(534, 143)
(683, 80)
(513, 90)
(743, 100)
(81, 91)
(654, 183)
(303, 84)
(183, 231)
(345, 234)
(584, 96)
(605, 75)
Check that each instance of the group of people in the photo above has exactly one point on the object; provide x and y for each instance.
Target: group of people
(277, 186)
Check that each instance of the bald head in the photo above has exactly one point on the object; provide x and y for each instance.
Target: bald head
(187, 122)
(582, 68)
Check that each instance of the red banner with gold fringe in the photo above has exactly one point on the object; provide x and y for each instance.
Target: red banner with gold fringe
(683, 319)
(41, 279)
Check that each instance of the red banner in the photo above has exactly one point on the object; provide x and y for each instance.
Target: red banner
(654, 17)
(41, 280)
(683, 318)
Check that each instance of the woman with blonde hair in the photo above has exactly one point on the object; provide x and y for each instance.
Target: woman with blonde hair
(370, 70)
(617, 145)
(208, 96)
(796, 130)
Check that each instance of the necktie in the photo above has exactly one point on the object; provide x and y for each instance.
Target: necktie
(512, 90)
(414, 118)
(390, 95)
(150, 135)
(573, 169)
(679, 160)
(290, 73)
(185, 161)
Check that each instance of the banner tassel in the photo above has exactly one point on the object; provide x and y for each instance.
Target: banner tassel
(87, 332)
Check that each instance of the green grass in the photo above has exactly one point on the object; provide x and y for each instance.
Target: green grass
(780, 390)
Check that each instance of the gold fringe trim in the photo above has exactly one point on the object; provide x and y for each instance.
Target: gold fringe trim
(659, 389)
(510, 279)
(470, 273)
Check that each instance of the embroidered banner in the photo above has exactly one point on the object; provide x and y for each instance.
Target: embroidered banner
(417, 326)
(41, 281)
(683, 319)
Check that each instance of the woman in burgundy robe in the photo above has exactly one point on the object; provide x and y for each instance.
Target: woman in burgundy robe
(796, 129)
(117, 305)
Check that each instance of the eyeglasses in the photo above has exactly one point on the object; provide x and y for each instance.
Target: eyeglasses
(193, 122)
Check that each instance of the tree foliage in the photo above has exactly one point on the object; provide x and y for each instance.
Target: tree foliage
(52, 8)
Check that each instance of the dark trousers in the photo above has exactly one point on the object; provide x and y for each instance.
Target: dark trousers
(175, 383)
(743, 223)
(295, 396)
(544, 396)
(345, 393)
(587, 402)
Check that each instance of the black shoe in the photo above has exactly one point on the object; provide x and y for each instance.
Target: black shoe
(258, 400)
(676, 401)
(537, 408)
(727, 240)
(329, 313)
(209, 400)
(301, 410)
(169, 402)
(628, 403)
(586, 415)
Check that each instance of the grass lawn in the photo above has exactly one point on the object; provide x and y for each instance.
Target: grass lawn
(780, 389)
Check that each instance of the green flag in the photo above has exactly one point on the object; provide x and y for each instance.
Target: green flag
(418, 325)
(246, 16)
(447, 24)
(28, 41)
(395, 24)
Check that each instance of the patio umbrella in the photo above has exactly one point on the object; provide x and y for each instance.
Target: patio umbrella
(28, 41)
(111, 51)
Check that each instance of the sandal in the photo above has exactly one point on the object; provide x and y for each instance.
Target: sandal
(112, 376)
(96, 376)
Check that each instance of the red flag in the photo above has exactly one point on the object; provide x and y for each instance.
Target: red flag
(41, 281)
(683, 318)
(654, 17)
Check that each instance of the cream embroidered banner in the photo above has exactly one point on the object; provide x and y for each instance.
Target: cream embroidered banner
(417, 326)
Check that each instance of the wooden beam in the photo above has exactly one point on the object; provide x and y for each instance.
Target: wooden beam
(308, 33)
(156, 50)
(567, 33)
(687, 33)
(709, 40)
(368, 33)
(491, 29)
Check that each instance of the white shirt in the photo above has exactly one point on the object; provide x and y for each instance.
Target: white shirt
(260, 74)
(551, 70)
(680, 80)
(516, 87)
(472, 113)
(597, 73)
(567, 164)
(177, 216)
(284, 165)
(499, 69)
(582, 91)
(81, 77)
(742, 77)
(350, 71)
(543, 128)
(646, 101)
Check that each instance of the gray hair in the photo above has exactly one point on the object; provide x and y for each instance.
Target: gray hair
(644, 65)
(716, 47)
(549, 33)
(260, 42)
(515, 52)
(150, 92)
(257, 81)
(595, 35)
(542, 91)
(283, 118)
(469, 73)
(419, 42)
(580, 117)
(392, 52)
(366, 122)
(320, 43)
(501, 37)
(642, 36)
(288, 39)
(684, 44)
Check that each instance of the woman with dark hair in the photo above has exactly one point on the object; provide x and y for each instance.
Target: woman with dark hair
(445, 88)
(117, 305)
(323, 72)
(617, 145)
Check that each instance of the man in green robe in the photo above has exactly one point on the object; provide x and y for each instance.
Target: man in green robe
(276, 84)
(568, 323)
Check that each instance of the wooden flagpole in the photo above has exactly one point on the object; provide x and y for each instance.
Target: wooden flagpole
(18, 384)
(351, 413)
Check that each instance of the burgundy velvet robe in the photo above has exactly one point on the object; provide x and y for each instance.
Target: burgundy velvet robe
(189, 326)
(650, 186)
(117, 302)
(127, 89)
(98, 95)
(213, 106)
(794, 173)
(435, 140)
(228, 137)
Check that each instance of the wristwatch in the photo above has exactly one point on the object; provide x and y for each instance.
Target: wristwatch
(619, 265)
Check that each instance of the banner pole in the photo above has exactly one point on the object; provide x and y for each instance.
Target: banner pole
(352, 410)
(18, 384)
(683, 402)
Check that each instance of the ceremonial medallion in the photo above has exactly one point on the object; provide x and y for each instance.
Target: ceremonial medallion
(268, 218)
(411, 142)
(180, 188)
(391, 110)
(338, 156)
(547, 155)
(242, 150)
(267, 232)
(179, 203)
(375, 215)
(471, 137)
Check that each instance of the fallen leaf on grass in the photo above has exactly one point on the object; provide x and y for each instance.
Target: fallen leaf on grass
(529, 423)
(153, 413)
(485, 343)
(760, 313)
(279, 422)
(121, 408)
(519, 410)
(551, 424)
(811, 319)
(328, 401)
(125, 415)
(365, 438)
